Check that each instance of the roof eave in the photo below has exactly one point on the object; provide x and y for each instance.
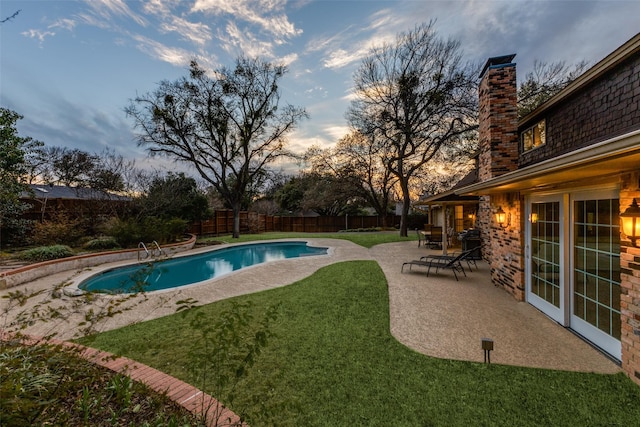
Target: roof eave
(614, 156)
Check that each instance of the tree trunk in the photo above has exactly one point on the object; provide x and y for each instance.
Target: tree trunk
(236, 220)
(406, 201)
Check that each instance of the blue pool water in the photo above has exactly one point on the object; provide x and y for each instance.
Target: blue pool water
(186, 270)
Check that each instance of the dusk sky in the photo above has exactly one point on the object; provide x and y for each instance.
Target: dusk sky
(71, 67)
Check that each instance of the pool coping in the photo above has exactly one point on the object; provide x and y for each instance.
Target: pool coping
(28, 273)
(73, 288)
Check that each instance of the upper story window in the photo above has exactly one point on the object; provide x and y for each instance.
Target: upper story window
(534, 137)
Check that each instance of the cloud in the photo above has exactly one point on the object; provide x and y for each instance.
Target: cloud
(39, 35)
(267, 14)
(336, 132)
(235, 40)
(106, 9)
(64, 23)
(172, 55)
(289, 59)
(355, 42)
(194, 32)
(316, 92)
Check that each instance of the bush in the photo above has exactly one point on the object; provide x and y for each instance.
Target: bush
(45, 253)
(60, 229)
(101, 243)
(129, 232)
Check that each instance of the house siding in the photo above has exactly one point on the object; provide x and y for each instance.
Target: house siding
(607, 107)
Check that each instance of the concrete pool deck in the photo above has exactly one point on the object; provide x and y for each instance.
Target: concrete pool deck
(436, 315)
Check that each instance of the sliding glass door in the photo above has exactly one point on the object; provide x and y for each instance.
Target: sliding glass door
(596, 270)
(544, 254)
(572, 265)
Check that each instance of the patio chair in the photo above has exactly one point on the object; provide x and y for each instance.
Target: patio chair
(468, 257)
(453, 263)
(434, 240)
(421, 237)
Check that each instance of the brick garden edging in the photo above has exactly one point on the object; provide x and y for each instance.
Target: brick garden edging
(35, 271)
(199, 403)
(189, 397)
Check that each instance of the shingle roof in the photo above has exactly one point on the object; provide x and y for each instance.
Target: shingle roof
(64, 192)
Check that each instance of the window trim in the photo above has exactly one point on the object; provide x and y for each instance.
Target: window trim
(532, 130)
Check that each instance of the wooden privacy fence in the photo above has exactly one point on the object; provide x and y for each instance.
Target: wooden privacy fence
(221, 223)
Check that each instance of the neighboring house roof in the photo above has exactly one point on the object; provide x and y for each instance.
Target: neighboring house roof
(451, 195)
(51, 192)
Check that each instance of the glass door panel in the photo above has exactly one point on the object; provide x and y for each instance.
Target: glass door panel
(596, 272)
(544, 278)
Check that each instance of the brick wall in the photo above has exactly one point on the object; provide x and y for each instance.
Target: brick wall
(606, 108)
(498, 122)
(498, 142)
(630, 285)
(503, 247)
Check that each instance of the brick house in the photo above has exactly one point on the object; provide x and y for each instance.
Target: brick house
(558, 180)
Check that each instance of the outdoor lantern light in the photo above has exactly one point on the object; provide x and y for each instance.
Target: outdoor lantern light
(631, 222)
(502, 218)
(487, 347)
(534, 218)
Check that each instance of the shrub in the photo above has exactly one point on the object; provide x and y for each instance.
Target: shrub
(60, 229)
(175, 228)
(129, 232)
(45, 253)
(101, 243)
(52, 385)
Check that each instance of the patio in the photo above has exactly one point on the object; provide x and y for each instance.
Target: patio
(445, 318)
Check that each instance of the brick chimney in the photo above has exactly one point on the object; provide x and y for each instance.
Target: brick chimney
(498, 116)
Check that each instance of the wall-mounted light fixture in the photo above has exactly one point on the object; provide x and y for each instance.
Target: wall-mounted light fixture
(630, 220)
(472, 218)
(534, 217)
(502, 218)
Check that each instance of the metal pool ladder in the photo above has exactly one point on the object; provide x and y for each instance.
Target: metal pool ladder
(154, 253)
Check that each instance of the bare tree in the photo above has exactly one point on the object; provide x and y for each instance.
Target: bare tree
(359, 160)
(416, 96)
(229, 125)
(545, 81)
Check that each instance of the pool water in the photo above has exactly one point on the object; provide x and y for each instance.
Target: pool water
(191, 269)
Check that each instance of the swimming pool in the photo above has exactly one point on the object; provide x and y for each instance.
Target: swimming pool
(176, 272)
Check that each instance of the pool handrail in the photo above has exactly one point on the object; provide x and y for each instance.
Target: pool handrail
(157, 250)
(141, 245)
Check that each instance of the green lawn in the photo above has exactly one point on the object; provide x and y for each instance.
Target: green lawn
(366, 239)
(333, 362)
